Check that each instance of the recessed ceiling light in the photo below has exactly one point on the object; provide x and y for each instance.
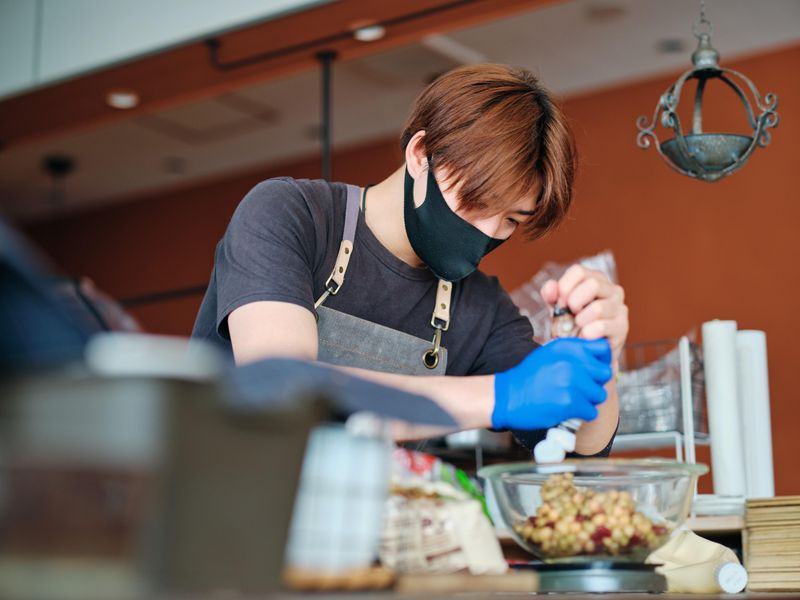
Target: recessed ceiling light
(671, 46)
(604, 12)
(174, 165)
(369, 33)
(122, 99)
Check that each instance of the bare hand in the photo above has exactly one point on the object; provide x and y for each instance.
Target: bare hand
(598, 305)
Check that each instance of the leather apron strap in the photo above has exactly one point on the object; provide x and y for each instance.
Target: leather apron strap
(336, 279)
(440, 319)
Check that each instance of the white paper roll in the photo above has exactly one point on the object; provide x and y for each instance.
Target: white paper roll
(753, 387)
(724, 415)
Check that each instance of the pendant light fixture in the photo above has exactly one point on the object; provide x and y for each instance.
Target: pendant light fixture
(696, 153)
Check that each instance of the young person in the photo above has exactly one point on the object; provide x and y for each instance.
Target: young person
(383, 280)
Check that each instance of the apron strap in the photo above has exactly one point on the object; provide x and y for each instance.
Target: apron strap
(440, 321)
(441, 312)
(336, 279)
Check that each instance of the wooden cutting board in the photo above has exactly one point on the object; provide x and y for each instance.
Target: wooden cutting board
(526, 581)
(376, 578)
(370, 578)
(777, 501)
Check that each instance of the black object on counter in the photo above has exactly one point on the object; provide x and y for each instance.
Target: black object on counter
(271, 382)
(597, 577)
(38, 328)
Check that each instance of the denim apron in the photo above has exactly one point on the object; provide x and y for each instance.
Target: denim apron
(346, 340)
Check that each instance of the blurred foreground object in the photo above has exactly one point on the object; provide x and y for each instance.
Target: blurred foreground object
(130, 462)
(37, 328)
(772, 544)
(695, 565)
(436, 521)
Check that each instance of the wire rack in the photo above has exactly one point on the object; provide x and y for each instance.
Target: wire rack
(650, 390)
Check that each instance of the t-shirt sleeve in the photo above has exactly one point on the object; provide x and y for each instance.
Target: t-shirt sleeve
(267, 252)
(511, 340)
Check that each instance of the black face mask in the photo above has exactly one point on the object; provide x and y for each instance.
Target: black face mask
(450, 246)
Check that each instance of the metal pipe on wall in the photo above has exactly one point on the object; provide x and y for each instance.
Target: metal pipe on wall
(326, 59)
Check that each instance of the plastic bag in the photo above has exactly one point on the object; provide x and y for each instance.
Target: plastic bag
(410, 467)
(435, 520)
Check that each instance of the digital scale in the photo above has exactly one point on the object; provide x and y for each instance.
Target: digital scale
(597, 577)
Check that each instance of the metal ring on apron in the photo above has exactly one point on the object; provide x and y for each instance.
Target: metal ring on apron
(430, 359)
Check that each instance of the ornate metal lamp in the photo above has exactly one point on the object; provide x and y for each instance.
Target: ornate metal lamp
(708, 156)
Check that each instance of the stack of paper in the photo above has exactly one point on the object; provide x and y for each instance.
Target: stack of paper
(712, 504)
(772, 544)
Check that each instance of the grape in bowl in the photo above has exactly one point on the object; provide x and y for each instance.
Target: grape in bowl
(593, 509)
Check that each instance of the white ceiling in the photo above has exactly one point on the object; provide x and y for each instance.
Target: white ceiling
(43, 41)
(574, 46)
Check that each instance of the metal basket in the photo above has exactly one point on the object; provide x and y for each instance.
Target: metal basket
(650, 388)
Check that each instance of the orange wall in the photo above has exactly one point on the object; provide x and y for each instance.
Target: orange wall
(687, 251)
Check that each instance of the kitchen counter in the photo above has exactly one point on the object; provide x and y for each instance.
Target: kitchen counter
(511, 596)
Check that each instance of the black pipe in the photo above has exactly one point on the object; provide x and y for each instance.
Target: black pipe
(214, 44)
(326, 58)
(154, 297)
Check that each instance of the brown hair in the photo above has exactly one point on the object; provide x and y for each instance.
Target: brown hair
(499, 133)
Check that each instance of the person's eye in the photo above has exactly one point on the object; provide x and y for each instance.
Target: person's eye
(513, 222)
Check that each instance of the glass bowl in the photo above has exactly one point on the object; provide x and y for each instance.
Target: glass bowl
(593, 509)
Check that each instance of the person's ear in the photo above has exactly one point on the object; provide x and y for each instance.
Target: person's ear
(416, 155)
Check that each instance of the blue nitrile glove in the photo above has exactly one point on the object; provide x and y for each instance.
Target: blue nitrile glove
(562, 380)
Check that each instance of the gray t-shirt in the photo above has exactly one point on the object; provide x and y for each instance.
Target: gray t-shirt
(282, 243)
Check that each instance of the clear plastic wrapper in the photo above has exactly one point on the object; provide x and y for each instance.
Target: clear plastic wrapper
(530, 302)
(649, 380)
(435, 520)
(409, 466)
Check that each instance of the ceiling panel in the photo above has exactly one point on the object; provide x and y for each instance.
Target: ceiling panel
(574, 46)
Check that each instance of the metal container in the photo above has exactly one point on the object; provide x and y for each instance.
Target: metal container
(124, 487)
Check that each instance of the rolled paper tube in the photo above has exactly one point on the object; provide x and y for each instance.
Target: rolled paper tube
(724, 414)
(753, 388)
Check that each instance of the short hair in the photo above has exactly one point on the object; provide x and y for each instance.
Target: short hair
(497, 130)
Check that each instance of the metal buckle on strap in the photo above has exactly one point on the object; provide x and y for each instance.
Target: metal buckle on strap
(331, 287)
(336, 278)
(430, 358)
(440, 321)
(439, 324)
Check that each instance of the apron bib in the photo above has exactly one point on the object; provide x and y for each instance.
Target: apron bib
(349, 341)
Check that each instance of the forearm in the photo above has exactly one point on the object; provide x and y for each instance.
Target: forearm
(593, 436)
(468, 399)
(471, 399)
